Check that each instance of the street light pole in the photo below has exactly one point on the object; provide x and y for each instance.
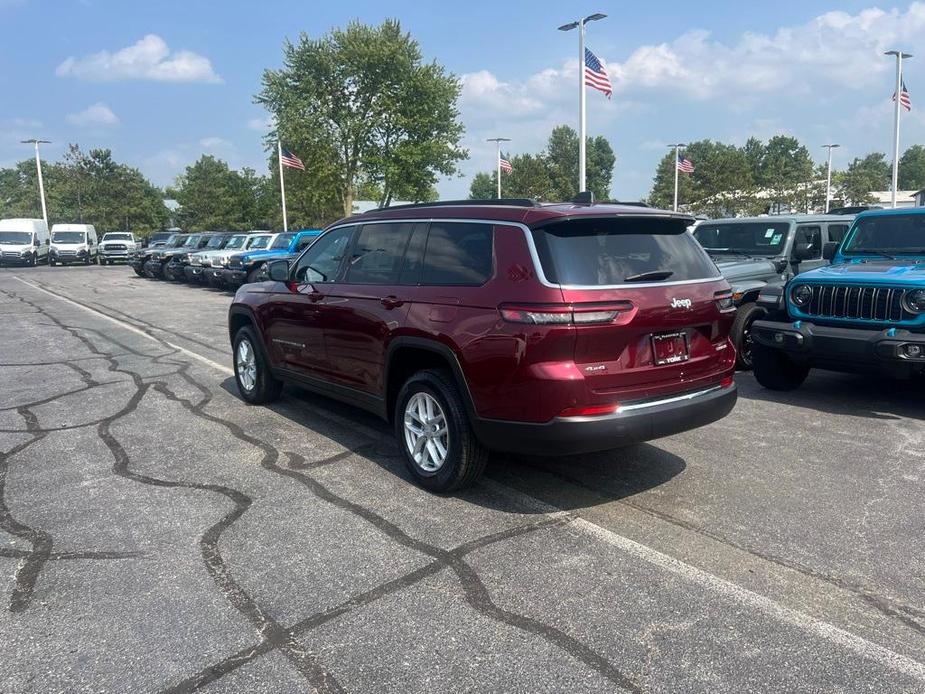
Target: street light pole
(582, 104)
(677, 151)
(828, 176)
(498, 141)
(900, 56)
(38, 168)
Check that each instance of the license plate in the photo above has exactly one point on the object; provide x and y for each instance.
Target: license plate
(670, 348)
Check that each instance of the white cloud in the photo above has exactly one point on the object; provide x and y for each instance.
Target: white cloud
(835, 50)
(148, 59)
(214, 143)
(98, 114)
(262, 125)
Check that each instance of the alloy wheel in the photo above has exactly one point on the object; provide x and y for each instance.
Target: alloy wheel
(427, 437)
(246, 361)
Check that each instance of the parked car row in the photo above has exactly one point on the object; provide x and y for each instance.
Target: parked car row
(28, 242)
(217, 258)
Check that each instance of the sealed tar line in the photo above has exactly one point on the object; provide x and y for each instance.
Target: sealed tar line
(852, 642)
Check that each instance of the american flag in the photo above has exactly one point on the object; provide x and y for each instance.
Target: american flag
(505, 165)
(291, 160)
(685, 165)
(904, 99)
(596, 74)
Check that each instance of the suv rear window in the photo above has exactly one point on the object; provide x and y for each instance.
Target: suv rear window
(458, 253)
(620, 250)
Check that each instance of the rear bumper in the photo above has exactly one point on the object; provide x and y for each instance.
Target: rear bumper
(633, 423)
(848, 349)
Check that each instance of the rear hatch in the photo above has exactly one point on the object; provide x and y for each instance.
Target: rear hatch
(668, 333)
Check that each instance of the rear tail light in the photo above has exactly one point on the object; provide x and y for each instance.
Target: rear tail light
(726, 382)
(564, 314)
(590, 410)
(724, 300)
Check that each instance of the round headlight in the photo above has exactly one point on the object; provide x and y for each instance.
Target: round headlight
(802, 294)
(915, 301)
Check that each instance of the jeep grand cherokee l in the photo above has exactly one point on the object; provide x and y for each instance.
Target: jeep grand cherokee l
(540, 329)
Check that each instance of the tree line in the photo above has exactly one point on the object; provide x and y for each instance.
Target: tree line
(551, 174)
(766, 176)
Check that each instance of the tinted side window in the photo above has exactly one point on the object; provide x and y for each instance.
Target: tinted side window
(837, 232)
(811, 235)
(322, 261)
(414, 256)
(304, 242)
(377, 255)
(458, 253)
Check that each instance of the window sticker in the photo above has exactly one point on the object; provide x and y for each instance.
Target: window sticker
(776, 239)
(769, 233)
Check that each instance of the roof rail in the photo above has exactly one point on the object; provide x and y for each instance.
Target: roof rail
(505, 202)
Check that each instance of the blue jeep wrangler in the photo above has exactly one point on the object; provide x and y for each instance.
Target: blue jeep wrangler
(251, 266)
(864, 312)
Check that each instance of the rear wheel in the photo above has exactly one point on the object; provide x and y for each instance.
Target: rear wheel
(434, 433)
(741, 333)
(252, 371)
(775, 370)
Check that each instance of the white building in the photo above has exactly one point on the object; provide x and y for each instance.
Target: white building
(904, 198)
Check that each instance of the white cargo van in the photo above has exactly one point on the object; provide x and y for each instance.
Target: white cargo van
(23, 241)
(72, 243)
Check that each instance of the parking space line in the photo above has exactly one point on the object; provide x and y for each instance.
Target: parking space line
(692, 574)
(128, 326)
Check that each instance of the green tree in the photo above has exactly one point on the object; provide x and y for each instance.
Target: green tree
(562, 163)
(213, 196)
(484, 186)
(529, 178)
(360, 104)
(864, 176)
(912, 168)
(786, 167)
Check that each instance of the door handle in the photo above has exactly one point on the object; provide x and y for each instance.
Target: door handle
(391, 302)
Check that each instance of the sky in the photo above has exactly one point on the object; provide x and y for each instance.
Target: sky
(161, 82)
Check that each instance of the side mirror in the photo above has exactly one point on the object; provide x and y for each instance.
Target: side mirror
(278, 271)
(802, 251)
(829, 249)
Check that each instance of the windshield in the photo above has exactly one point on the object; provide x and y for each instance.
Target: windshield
(282, 241)
(176, 241)
(161, 236)
(893, 234)
(117, 237)
(216, 242)
(620, 250)
(745, 238)
(20, 238)
(68, 237)
(236, 242)
(191, 240)
(258, 242)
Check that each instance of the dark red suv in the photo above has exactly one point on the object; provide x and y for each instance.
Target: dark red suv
(514, 326)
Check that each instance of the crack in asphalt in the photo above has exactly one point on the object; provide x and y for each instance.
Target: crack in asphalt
(906, 614)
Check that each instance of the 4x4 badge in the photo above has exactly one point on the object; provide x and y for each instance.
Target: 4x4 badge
(681, 303)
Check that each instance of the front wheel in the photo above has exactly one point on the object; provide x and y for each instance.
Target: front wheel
(775, 370)
(252, 371)
(434, 433)
(258, 274)
(741, 333)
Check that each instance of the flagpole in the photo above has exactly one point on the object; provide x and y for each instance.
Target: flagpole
(677, 153)
(282, 185)
(582, 115)
(828, 176)
(897, 97)
(498, 141)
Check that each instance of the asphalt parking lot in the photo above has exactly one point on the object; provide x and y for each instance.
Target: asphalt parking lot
(157, 534)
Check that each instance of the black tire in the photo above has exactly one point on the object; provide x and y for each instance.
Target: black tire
(266, 388)
(256, 275)
(138, 271)
(33, 260)
(775, 370)
(465, 457)
(51, 263)
(740, 333)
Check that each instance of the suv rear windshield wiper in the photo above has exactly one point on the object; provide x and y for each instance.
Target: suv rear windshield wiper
(655, 275)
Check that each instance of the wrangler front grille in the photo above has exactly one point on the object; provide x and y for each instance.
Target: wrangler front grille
(858, 303)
